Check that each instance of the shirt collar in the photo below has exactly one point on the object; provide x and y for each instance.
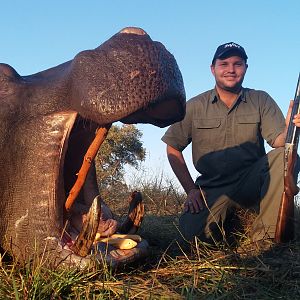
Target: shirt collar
(215, 97)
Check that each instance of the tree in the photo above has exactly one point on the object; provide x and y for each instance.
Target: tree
(123, 146)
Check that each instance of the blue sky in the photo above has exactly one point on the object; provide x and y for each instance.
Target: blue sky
(37, 35)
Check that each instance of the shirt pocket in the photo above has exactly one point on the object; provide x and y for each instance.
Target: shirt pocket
(247, 129)
(207, 133)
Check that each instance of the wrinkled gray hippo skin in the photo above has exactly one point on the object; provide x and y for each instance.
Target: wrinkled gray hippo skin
(49, 119)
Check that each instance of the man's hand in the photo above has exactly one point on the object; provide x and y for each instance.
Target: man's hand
(194, 202)
(296, 119)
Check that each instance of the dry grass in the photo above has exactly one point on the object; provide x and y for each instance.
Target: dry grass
(171, 271)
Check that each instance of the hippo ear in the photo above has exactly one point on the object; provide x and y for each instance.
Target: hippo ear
(8, 76)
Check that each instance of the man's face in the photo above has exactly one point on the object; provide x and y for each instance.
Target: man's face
(229, 73)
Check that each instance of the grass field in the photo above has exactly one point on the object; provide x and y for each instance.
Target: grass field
(170, 271)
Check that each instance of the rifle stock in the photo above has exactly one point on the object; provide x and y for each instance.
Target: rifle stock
(285, 222)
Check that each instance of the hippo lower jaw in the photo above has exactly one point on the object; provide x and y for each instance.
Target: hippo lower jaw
(63, 139)
(71, 146)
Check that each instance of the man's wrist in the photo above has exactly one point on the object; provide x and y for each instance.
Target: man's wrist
(194, 187)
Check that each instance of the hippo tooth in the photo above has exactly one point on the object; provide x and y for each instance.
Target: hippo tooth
(86, 237)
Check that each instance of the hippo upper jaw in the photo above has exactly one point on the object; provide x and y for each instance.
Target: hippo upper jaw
(161, 113)
(130, 78)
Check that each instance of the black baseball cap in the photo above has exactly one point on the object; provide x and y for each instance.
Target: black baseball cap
(228, 49)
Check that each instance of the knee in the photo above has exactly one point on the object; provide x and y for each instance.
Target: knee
(199, 226)
(191, 225)
(276, 154)
(275, 159)
(209, 230)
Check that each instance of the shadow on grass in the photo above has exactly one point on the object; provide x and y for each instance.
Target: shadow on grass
(162, 234)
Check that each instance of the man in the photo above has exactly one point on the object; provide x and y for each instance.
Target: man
(227, 127)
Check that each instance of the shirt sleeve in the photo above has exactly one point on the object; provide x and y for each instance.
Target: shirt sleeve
(179, 135)
(272, 119)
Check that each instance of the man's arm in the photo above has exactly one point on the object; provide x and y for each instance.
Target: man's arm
(180, 169)
(194, 201)
(280, 140)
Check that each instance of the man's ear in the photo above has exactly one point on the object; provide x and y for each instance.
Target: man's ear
(212, 69)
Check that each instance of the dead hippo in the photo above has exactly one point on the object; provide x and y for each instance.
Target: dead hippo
(48, 121)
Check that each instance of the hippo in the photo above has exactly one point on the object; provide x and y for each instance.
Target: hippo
(49, 119)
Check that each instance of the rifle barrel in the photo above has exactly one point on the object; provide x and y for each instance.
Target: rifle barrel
(291, 133)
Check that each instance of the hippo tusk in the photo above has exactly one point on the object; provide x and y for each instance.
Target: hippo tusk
(87, 160)
(86, 237)
(135, 214)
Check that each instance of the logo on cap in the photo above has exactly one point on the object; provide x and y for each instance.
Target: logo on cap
(232, 45)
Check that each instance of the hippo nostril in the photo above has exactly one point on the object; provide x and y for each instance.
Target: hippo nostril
(134, 30)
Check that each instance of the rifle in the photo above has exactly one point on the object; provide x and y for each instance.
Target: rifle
(285, 221)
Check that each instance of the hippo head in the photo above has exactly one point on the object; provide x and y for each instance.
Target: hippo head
(49, 119)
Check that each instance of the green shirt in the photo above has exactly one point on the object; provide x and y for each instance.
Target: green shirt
(226, 141)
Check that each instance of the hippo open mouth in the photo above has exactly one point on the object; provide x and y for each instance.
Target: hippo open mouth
(49, 119)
